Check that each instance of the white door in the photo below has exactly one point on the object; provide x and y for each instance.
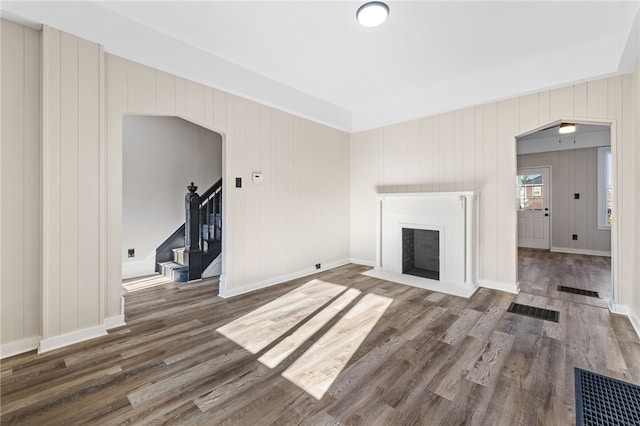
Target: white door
(534, 190)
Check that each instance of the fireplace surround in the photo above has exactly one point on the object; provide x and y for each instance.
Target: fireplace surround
(442, 223)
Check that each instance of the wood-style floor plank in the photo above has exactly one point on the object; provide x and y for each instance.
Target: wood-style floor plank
(335, 348)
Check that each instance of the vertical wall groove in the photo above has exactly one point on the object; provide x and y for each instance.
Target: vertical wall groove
(20, 218)
(71, 178)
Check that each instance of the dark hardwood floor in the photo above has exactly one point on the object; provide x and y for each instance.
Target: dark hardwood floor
(541, 272)
(334, 348)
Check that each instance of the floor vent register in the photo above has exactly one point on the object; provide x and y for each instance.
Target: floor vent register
(579, 291)
(603, 401)
(534, 312)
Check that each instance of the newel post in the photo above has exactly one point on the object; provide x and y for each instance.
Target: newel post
(193, 254)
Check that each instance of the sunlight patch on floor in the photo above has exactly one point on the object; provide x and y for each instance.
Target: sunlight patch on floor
(145, 282)
(292, 342)
(259, 328)
(319, 366)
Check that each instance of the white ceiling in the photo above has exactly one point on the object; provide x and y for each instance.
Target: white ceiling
(313, 59)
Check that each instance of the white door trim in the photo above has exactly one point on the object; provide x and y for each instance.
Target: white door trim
(615, 240)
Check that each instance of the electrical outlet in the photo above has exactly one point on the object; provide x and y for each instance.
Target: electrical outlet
(575, 237)
(238, 182)
(318, 266)
(576, 196)
(131, 252)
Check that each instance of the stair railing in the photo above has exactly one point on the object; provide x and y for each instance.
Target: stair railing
(211, 218)
(200, 235)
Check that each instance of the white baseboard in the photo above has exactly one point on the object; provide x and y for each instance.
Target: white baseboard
(140, 268)
(45, 345)
(580, 251)
(618, 309)
(77, 336)
(19, 347)
(362, 262)
(460, 290)
(225, 293)
(635, 322)
(113, 322)
(626, 310)
(496, 285)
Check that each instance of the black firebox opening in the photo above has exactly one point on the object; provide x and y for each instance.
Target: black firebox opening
(421, 253)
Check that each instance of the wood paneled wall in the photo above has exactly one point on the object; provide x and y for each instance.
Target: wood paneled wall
(634, 176)
(72, 285)
(475, 149)
(573, 171)
(297, 218)
(317, 204)
(20, 219)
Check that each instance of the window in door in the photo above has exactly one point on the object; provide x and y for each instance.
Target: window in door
(530, 192)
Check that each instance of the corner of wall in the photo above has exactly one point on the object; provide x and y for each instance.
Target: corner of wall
(495, 285)
(76, 336)
(634, 309)
(146, 266)
(19, 347)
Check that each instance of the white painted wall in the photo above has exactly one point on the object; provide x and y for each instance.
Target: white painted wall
(460, 151)
(161, 156)
(20, 189)
(634, 205)
(573, 171)
(475, 150)
(315, 180)
(274, 231)
(297, 218)
(73, 165)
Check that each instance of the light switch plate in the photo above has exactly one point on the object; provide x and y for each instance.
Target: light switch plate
(257, 178)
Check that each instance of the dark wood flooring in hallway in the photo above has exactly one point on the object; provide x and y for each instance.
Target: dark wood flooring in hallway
(330, 349)
(541, 272)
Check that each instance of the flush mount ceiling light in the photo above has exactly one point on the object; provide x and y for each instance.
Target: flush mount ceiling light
(567, 128)
(372, 14)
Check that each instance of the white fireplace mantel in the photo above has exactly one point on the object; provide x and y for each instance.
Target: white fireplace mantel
(453, 214)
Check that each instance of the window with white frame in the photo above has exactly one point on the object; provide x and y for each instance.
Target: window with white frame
(605, 187)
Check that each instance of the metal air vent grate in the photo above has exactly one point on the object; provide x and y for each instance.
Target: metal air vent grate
(532, 311)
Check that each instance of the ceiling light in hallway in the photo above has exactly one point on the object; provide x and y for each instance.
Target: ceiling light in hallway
(567, 128)
(372, 14)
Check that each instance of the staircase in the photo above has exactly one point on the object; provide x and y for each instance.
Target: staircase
(181, 264)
